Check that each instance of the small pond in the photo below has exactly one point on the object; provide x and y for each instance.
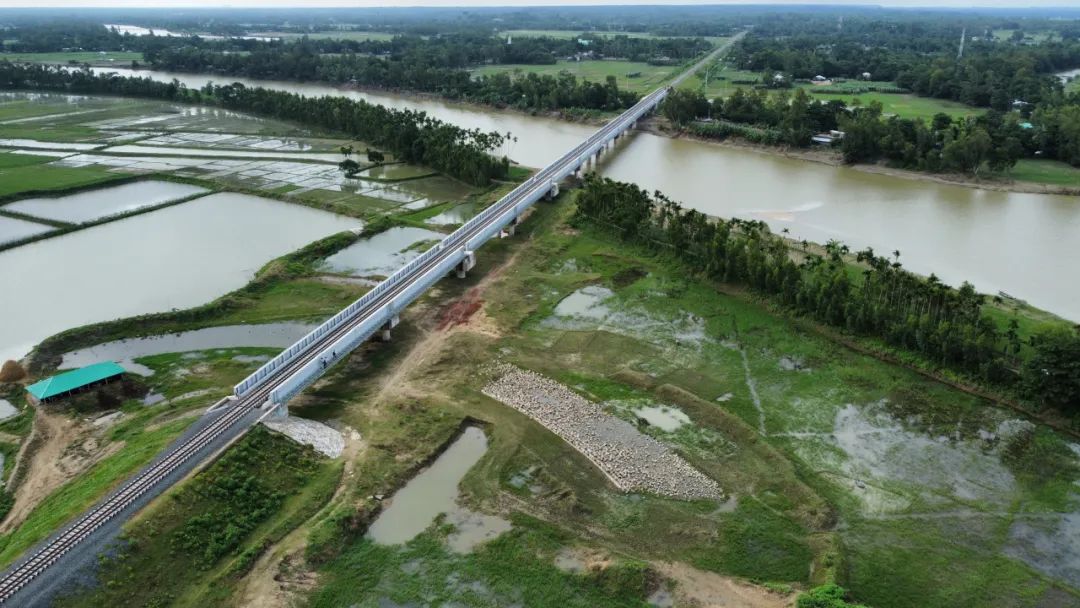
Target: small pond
(381, 254)
(435, 491)
(125, 352)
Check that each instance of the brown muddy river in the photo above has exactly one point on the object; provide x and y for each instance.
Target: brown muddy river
(1024, 244)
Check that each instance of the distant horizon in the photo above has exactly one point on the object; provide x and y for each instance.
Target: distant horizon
(367, 4)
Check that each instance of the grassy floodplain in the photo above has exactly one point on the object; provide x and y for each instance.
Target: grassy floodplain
(879, 477)
(1046, 172)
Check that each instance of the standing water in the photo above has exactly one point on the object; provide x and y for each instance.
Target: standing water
(435, 491)
(148, 263)
(992, 239)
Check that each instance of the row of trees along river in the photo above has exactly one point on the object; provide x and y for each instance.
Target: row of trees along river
(870, 296)
(409, 135)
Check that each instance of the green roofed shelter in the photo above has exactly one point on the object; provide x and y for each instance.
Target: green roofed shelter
(67, 382)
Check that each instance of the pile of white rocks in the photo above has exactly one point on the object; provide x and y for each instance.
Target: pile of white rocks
(325, 439)
(634, 462)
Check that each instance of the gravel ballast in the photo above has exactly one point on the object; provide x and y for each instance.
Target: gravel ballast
(633, 461)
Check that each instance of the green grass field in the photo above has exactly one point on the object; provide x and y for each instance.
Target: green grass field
(1046, 172)
(905, 105)
(24, 173)
(596, 71)
(122, 58)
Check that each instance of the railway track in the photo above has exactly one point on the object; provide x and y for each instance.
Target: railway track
(48, 553)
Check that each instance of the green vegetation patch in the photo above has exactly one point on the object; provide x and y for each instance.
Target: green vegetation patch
(634, 76)
(196, 526)
(1046, 171)
(38, 177)
(517, 568)
(119, 58)
(140, 446)
(904, 105)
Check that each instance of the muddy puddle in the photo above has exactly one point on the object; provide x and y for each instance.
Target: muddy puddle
(892, 464)
(381, 254)
(435, 491)
(124, 352)
(1049, 543)
(101, 202)
(665, 418)
(598, 308)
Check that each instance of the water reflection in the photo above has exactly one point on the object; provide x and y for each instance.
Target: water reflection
(100, 202)
(381, 254)
(177, 257)
(229, 336)
(435, 491)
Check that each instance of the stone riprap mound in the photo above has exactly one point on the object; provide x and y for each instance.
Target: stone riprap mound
(633, 461)
(324, 439)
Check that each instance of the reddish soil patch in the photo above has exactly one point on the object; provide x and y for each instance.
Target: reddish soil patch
(462, 310)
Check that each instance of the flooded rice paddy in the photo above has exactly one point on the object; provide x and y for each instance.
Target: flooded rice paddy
(12, 229)
(149, 263)
(126, 351)
(435, 491)
(143, 150)
(101, 202)
(381, 254)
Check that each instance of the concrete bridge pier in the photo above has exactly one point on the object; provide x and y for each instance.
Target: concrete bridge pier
(465, 265)
(511, 228)
(278, 411)
(384, 333)
(553, 192)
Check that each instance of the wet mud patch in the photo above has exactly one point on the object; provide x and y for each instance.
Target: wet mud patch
(1049, 543)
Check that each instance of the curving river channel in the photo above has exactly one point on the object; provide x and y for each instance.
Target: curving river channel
(1023, 244)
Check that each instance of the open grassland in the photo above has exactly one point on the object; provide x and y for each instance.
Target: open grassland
(1046, 172)
(28, 173)
(104, 58)
(648, 76)
(904, 105)
(718, 80)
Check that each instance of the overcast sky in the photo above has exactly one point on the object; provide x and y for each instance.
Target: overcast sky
(377, 3)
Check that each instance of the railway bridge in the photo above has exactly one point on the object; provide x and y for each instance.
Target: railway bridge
(267, 391)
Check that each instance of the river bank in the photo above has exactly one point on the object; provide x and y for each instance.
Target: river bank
(829, 156)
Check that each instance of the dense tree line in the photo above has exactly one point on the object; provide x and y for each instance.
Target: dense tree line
(993, 140)
(918, 53)
(920, 314)
(410, 72)
(409, 135)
